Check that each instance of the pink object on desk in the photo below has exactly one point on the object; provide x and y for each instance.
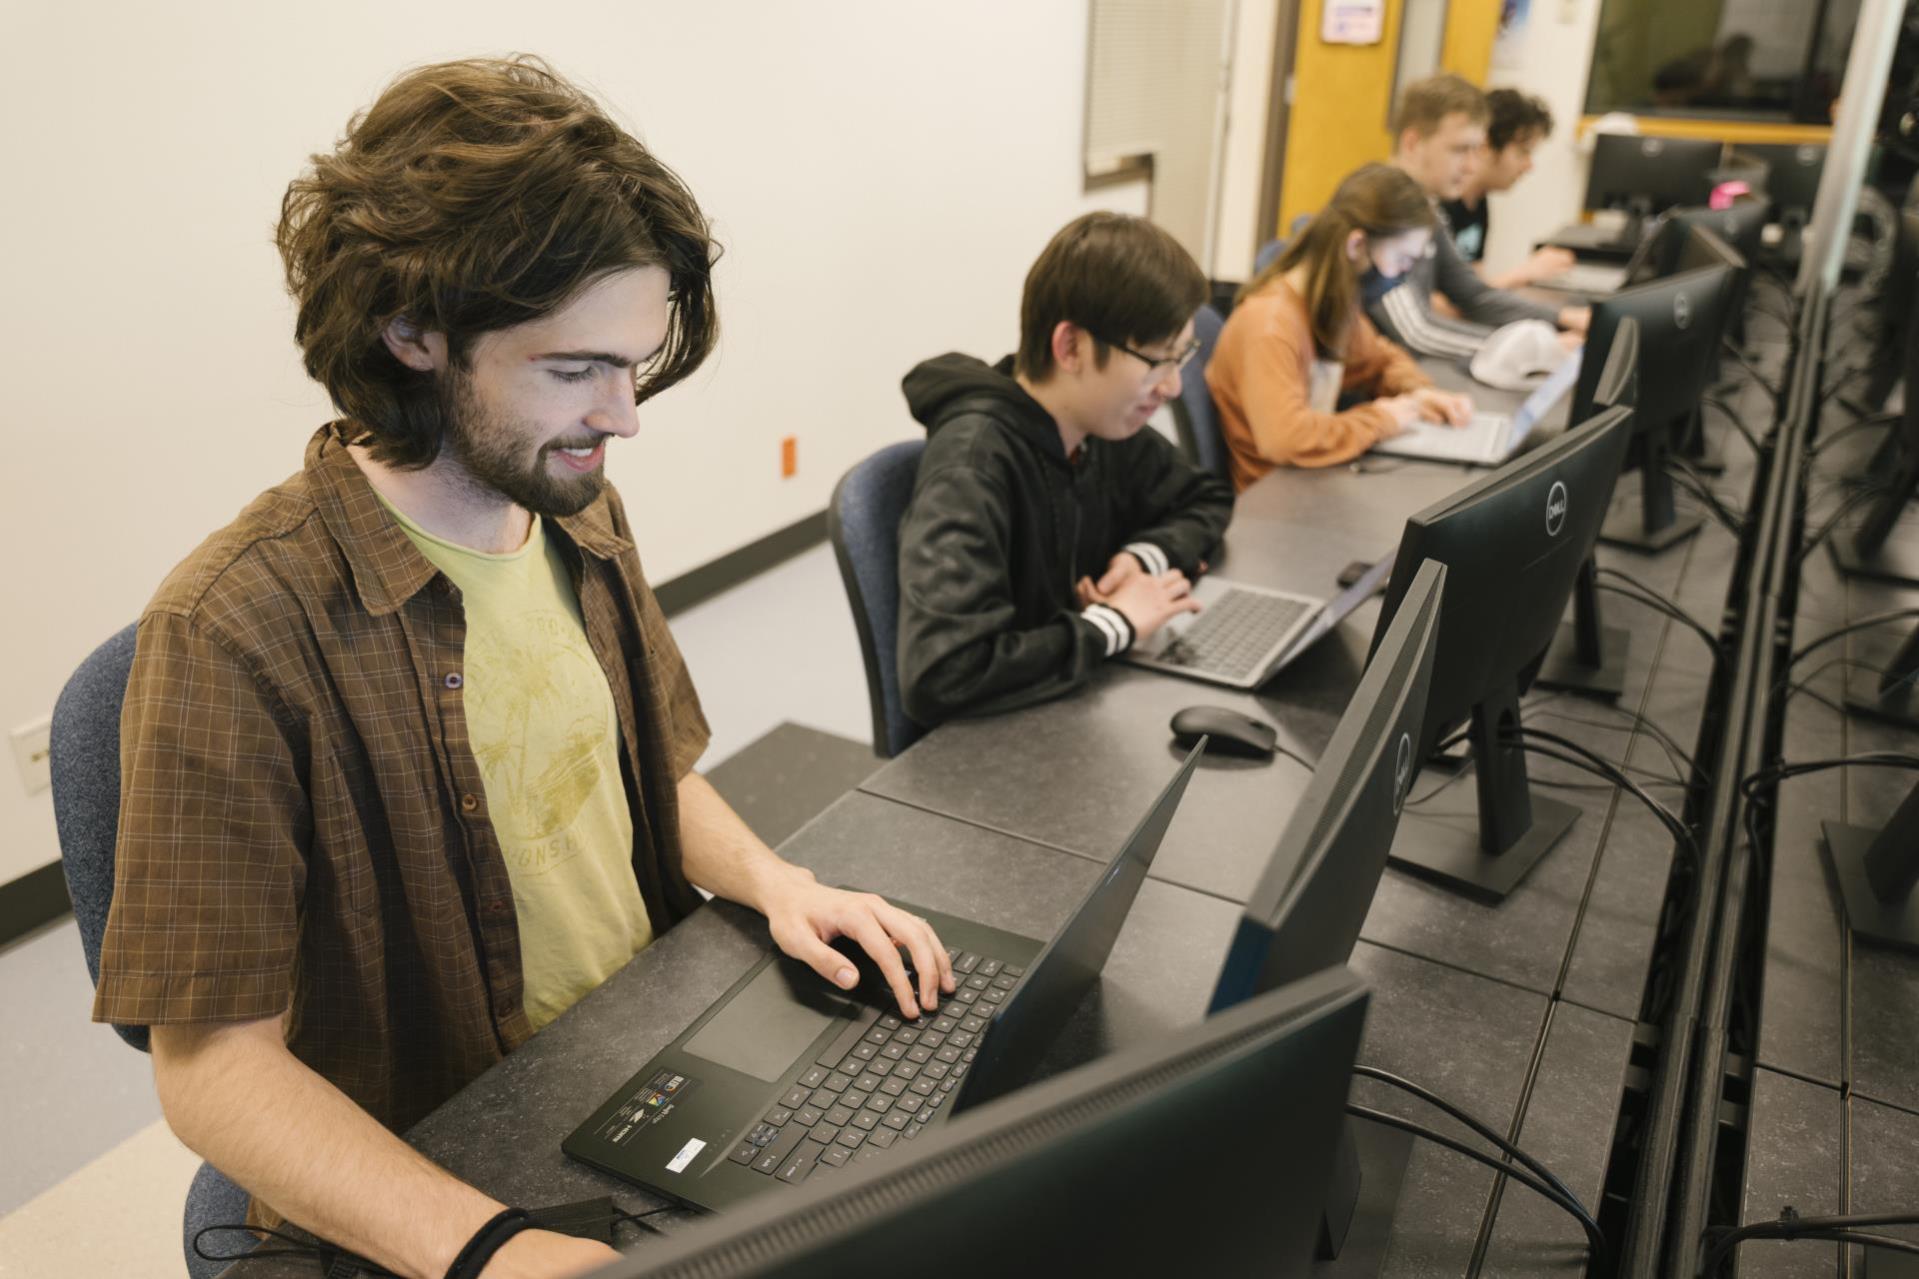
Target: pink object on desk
(1725, 193)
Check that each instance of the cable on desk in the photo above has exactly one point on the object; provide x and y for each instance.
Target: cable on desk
(1581, 757)
(331, 1260)
(1683, 474)
(1479, 1126)
(1862, 424)
(1826, 530)
(1646, 595)
(1746, 362)
(1675, 754)
(1790, 1225)
(1863, 624)
(1793, 688)
(1595, 1237)
(1788, 768)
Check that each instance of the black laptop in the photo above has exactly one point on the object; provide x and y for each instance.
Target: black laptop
(786, 1078)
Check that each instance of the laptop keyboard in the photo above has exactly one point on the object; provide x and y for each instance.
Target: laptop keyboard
(1236, 634)
(884, 1079)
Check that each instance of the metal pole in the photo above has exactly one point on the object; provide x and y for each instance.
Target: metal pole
(1867, 70)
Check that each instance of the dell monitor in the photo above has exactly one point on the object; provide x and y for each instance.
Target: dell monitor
(1878, 871)
(1226, 1128)
(1869, 549)
(1681, 320)
(1645, 175)
(1512, 544)
(1305, 914)
(1792, 179)
(1588, 656)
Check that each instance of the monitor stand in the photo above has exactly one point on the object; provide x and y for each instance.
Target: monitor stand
(1700, 453)
(1877, 871)
(1358, 1223)
(1892, 698)
(1894, 562)
(1658, 525)
(1486, 859)
(1587, 656)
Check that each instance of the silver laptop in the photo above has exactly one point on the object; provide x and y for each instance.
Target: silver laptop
(1490, 438)
(1243, 635)
(1586, 277)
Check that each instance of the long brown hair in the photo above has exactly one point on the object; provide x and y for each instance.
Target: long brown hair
(1377, 200)
(471, 197)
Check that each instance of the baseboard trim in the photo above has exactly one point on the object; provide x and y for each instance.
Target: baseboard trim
(36, 898)
(701, 584)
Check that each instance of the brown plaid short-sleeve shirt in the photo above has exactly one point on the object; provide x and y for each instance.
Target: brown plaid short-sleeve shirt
(303, 824)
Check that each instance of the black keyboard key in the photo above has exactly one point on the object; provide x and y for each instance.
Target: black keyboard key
(990, 968)
(893, 1051)
(907, 1070)
(807, 1116)
(992, 996)
(890, 1021)
(880, 1104)
(862, 1052)
(836, 1051)
(942, 1025)
(838, 1115)
(882, 1138)
(973, 1025)
(1005, 982)
(893, 1087)
(920, 1086)
(959, 1071)
(866, 1121)
(897, 1120)
(800, 1166)
(977, 982)
(835, 1156)
(935, 1070)
(868, 1082)
(906, 1036)
(824, 1133)
(773, 1157)
(855, 1100)
(822, 1099)
(813, 1078)
(910, 1104)
(838, 1081)
(949, 1054)
(1015, 970)
(852, 1138)
(959, 1039)
(881, 1068)
(915, 1129)
(919, 1055)
(966, 963)
(878, 1036)
(966, 994)
(794, 1098)
(778, 1116)
(746, 1152)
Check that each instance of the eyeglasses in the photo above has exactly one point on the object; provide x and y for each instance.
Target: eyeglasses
(1157, 365)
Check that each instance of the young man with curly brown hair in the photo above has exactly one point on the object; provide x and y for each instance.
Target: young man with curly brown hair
(408, 749)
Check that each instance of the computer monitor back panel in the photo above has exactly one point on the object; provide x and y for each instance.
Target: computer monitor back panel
(1209, 1148)
(1306, 911)
(1743, 227)
(1651, 173)
(1512, 545)
(1681, 320)
(1793, 172)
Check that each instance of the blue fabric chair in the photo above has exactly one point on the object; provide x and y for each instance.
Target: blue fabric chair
(1268, 254)
(84, 756)
(1193, 412)
(863, 521)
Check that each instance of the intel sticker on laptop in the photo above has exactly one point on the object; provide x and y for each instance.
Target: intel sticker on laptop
(688, 1153)
(649, 1104)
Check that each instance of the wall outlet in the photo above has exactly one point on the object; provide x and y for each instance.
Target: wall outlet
(789, 457)
(31, 752)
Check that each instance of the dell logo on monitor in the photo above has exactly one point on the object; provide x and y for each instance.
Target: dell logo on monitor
(1402, 772)
(1681, 310)
(1556, 508)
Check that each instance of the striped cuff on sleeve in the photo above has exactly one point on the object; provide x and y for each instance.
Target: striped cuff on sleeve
(1112, 624)
(1150, 557)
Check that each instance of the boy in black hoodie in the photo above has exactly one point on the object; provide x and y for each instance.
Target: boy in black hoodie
(1048, 530)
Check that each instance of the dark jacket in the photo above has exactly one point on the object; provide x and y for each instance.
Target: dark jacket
(1002, 524)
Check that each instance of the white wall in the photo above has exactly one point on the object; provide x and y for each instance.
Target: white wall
(1555, 56)
(1249, 101)
(881, 174)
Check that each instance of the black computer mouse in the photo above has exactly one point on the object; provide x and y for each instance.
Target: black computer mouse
(1226, 731)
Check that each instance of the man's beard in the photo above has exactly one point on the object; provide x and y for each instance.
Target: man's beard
(492, 452)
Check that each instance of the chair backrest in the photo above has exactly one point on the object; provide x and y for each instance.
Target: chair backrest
(1195, 414)
(84, 756)
(863, 521)
(1268, 254)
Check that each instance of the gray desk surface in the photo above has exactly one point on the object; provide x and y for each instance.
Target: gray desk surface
(1509, 1055)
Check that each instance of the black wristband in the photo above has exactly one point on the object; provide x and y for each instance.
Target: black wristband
(487, 1240)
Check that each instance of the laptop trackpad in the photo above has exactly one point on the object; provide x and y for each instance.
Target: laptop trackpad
(765, 1027)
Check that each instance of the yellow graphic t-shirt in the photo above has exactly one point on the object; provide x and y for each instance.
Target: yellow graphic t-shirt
(543, 727)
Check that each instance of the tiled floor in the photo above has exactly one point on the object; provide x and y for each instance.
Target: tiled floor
(92, 1181)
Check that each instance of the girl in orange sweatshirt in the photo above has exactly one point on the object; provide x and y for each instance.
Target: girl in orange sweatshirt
(1299, 337)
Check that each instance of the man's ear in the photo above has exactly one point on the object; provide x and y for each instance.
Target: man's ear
(422, 350)
(1066, 346)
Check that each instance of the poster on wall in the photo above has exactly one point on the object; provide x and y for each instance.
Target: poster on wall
(1509, 45)
(1353, 21)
